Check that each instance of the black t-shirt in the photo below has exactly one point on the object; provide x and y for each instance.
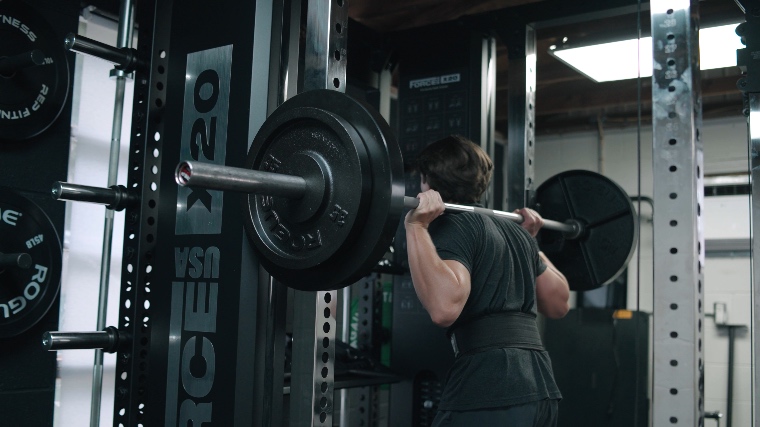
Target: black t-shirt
(503, 262)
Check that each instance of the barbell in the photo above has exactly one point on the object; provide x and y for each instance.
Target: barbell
(215, 177)
(323, 184)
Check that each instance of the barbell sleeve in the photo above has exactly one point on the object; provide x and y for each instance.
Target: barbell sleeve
(15, 260)
(124, 58)
(216, 177)
(110, 340)
(116, 197)
(23, 60)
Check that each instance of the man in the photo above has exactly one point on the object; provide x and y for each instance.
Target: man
(484, 279)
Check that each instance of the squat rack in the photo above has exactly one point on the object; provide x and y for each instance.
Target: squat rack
(678, 362)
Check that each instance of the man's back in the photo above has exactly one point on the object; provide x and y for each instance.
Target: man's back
(503, 262)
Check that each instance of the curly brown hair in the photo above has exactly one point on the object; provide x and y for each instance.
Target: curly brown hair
(457, 168)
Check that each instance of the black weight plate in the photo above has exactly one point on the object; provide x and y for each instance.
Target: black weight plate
(26, 295)
(321, 147)
(608, 218)
(388, 189)
(381, 190)
(31, 98)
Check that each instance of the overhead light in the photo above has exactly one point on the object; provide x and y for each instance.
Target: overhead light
(619, 60)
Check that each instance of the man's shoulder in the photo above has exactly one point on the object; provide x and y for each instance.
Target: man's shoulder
(461, 221)
(464, 218)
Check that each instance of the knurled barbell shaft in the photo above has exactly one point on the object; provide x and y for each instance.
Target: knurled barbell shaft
(23, 60)
(115, 197)
(572, 229)
(15, 260)
(215, 177)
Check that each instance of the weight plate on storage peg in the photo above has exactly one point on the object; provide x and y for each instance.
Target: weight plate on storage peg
(30, 264)
(608, 219)
(34, 72)
(344, 224)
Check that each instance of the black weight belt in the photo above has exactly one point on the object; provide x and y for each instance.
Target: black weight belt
(517, 330)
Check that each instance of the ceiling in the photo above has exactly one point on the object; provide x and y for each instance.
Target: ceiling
(566, 101)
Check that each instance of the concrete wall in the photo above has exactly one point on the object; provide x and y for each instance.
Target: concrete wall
(727, 279)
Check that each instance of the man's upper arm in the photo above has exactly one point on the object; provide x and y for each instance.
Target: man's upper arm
(552, 294)
(455, 248)
(463, 277)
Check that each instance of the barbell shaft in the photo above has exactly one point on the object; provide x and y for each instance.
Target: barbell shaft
(570, 228)
(215, 177)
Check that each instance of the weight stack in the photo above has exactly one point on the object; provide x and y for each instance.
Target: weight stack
(600, 362)
(28, 166)
(440, 93)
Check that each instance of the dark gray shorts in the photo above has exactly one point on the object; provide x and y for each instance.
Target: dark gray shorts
(542, 413)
